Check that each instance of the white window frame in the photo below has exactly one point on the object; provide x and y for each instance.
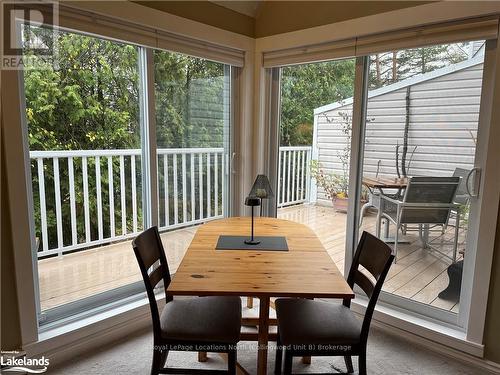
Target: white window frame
(475, 282)
(19, 187)
(468, 325)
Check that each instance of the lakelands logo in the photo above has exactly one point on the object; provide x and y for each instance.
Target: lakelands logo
(10, 361)
(25, 43)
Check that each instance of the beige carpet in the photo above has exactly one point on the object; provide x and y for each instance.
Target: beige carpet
(386, 355)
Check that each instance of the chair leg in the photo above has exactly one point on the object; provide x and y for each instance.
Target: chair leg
(348, 364)
(378, 225)
(279, 355)
(159, 358)
(202, 356)
(396, 240)
(362, 363)
(231, 362)
(288, 362)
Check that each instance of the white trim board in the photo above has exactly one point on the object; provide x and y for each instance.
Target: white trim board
(414, 329)
(66, 342)
(491, 367)
(141, 15)
(421, 15)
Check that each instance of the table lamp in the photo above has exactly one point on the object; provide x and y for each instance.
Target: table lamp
(261, 189)
(252, 202)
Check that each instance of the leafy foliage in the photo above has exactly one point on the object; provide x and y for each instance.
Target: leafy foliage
(305, 87)
(391, 67)
(335, 185)
(89, 100)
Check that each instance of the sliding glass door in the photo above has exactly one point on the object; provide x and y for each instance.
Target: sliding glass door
(417, 171)
(312, 172)
(192, 104)
(393, 152)
(84, 137)
(89, 142)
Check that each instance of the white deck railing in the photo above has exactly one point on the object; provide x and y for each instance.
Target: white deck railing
(76, 209)
(293, 174)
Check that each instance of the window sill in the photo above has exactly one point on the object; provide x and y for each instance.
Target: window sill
(63, 340)
(443, 338)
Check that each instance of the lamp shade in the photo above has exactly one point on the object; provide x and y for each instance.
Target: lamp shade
(261, 188)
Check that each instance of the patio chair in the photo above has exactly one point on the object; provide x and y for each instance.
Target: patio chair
(314, 328)
(461, 197)
(201, 324)
(427, 201)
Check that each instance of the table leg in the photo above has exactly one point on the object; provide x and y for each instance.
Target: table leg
(306, 360)
(263, 335)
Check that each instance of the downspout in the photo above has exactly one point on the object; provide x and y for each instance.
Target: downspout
(405, 134)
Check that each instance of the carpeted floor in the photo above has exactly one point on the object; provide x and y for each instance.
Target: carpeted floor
(386, 355)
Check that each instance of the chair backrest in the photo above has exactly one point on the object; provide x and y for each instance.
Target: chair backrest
(375, 256)
(429, 190)
(462, 197)
(152, 261)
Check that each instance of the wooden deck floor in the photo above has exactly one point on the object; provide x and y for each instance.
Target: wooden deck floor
(418, 274)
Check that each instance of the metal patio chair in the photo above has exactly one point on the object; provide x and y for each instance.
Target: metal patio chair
(427, 203)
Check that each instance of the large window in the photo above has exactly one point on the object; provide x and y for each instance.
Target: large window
(419, 148)
(192, 128)
(85, 132)
(417, 181)
(84, 138)
(306, 191)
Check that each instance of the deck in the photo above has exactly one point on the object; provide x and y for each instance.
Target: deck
(418, 274)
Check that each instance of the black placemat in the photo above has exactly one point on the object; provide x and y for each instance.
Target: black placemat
(267, 243)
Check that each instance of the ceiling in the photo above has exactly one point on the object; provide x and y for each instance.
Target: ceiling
(260, 18)
(248, 8)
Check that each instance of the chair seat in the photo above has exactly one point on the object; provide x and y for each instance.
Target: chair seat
(202, 319)
(303, 321)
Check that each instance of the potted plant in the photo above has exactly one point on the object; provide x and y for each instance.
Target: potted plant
(335, 186)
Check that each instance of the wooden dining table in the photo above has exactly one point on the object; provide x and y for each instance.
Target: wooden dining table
(305, 270)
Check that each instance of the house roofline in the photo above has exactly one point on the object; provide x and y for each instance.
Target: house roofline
(476, 60)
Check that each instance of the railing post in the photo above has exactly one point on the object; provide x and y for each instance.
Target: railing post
(43, 207)
(308, 175)
(278, 195)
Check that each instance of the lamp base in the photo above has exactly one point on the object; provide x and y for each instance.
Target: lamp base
(252, 242)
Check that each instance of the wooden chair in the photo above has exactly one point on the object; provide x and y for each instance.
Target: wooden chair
(202, 324)
(314, 328)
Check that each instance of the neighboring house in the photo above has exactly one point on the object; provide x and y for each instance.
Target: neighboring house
(443, 121)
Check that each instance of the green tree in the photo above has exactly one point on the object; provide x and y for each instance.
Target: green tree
(391, 67)
(305, 87)
(89, 100)
(189, 101)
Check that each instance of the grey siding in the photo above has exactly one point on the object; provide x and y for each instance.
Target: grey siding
(444, 112)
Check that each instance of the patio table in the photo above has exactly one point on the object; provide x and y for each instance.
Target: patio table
(379, 183)
(305, 270)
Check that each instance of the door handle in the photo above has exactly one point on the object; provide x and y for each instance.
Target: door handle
(476, 181)
(233, 171)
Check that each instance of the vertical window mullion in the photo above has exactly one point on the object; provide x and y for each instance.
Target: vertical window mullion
(356, 156)
(148, 138)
